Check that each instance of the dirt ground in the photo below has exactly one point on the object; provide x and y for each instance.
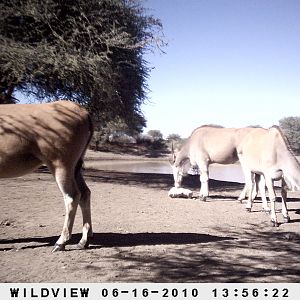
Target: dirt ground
(142, 235)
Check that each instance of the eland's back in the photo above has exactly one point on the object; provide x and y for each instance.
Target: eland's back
(35, 134)
(215, 144)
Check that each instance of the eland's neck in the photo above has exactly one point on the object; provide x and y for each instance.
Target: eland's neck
(182, 155)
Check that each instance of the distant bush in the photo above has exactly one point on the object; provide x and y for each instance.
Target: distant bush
(291, 129)
(121, 137)
(156, 135)
(144, 139)
(175, 140)
(174, 137)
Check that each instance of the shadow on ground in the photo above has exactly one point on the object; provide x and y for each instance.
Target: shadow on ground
(241, 255)
(101, 240)
(158, 181)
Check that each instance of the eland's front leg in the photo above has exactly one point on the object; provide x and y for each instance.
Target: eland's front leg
(244, 193)
(250, 184)
(247, 191)
(203, 194)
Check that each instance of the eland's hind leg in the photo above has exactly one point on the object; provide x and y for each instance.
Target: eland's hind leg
(68, 186)
(85, 205)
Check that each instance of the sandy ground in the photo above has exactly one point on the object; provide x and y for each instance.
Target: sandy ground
(142, 235)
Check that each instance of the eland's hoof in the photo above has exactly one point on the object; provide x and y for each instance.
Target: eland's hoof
(59, 247)
(248, 209)
(286, 219)
(274, 223)
(80, 246)
(202, 198)
(84, 244)
(241, 199)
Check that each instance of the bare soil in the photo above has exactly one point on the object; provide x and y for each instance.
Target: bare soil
(142, 235)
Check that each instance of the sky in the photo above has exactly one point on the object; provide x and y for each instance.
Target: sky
(233, 63)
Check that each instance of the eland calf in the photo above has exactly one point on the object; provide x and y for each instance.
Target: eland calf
(57, 135)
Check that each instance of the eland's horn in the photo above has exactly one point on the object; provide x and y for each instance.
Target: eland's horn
(173, 153)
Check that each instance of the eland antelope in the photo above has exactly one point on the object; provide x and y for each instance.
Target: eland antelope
(57, 135)
(267, 152)
(206, 145)
(210, 144)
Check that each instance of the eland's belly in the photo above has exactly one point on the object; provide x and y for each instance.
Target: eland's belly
(17, 164)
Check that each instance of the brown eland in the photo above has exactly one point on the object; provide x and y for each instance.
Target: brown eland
(56, 135)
